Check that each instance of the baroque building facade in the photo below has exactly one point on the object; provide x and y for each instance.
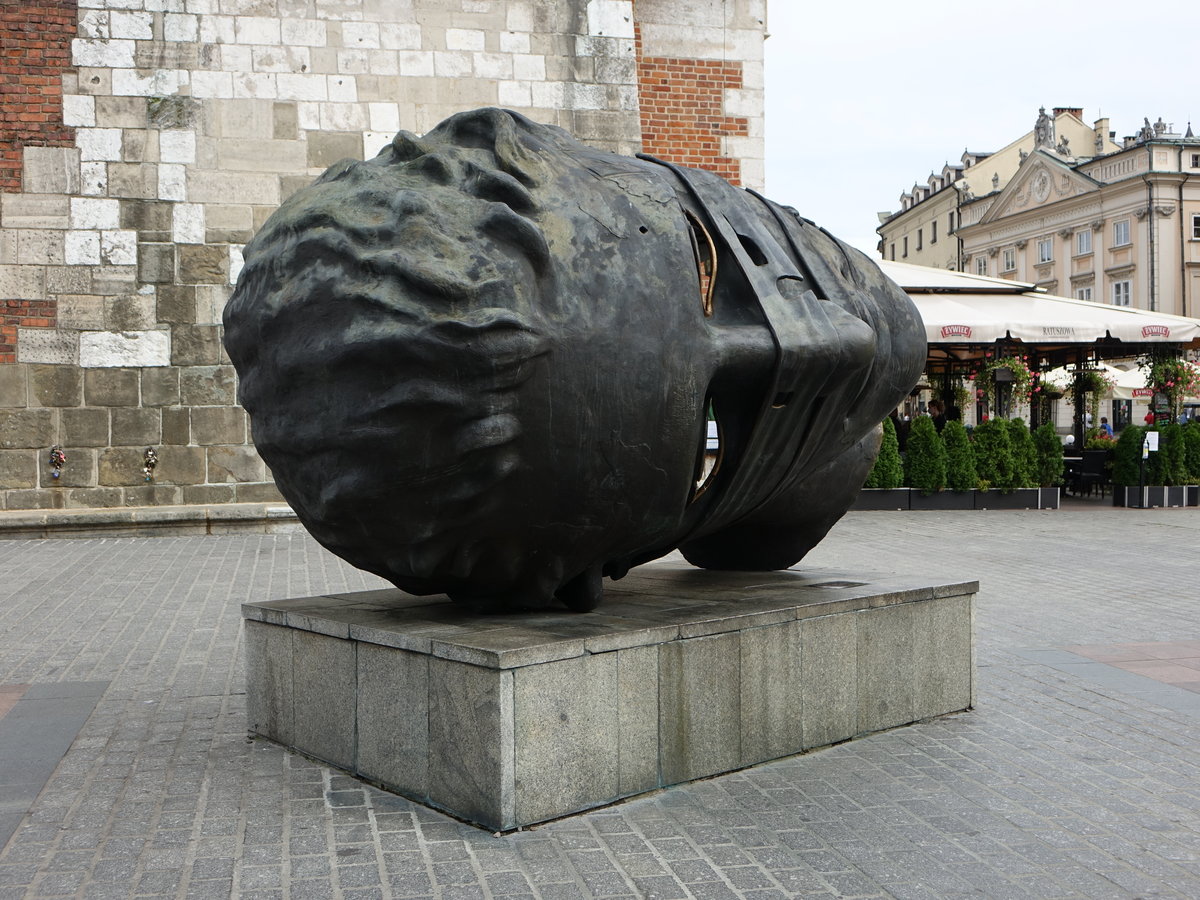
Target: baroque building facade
(1099, 220)
(923, 230)
(142, 143)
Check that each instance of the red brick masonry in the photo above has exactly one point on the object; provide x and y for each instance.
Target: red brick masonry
(683, 110)
(35, 48)
(24, 313)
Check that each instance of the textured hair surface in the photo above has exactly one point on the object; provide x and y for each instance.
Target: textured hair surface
(381, 353)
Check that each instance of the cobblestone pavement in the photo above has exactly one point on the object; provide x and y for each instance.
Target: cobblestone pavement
(1072, 777)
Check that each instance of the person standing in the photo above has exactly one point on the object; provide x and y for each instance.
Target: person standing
(938, 413)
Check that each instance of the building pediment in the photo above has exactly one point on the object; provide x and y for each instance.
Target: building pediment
(1041, 180)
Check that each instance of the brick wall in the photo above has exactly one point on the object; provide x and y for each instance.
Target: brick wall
(16, 314)
(682, 111)
(35, 48)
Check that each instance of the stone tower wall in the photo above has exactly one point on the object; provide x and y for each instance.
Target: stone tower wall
(144, 141)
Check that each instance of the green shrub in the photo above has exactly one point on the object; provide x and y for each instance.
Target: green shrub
(888, 471)
(1155, 467)
(1049, 455)
(925, 457)
(1172, 461)
(960, 457)
(993, 455)
(1128, 455)
(1025, 468)
(1191, 450)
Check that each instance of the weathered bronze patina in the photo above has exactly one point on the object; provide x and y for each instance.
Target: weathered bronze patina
(482, 363)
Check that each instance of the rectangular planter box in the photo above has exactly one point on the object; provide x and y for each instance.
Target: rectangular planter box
(1156, 496)
(509, 720)
(1021, 498)
(943, 500)
(1048, 497)
(882, 498)
(907, 498)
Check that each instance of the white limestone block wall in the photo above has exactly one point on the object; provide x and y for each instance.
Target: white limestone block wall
(194, 120)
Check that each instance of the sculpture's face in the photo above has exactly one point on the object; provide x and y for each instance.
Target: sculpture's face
(481, 362)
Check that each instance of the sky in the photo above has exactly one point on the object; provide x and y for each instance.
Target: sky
(864, 99)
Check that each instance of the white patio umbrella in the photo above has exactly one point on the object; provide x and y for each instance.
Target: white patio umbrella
(963, 309)
(1126, 382)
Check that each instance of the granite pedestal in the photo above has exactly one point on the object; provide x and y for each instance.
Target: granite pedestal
(509, 720)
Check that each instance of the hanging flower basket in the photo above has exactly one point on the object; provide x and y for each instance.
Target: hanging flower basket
(1177, 378)
(1009, 370)
(1094, 385)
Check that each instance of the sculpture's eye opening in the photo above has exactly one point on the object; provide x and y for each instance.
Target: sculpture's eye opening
(709, 454)
(753, 250)
(705, 253)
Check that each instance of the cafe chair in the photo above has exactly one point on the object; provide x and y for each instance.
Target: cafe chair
(1088, 473)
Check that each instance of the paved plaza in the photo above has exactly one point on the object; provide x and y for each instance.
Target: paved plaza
(126, 770)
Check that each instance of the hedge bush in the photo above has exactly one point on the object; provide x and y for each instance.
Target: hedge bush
(1025, 467)
(1191, 451)
(1172, 459)
(925, 457)
(1049, 455)
(888, 471)
(1127, 455)
(993, 455)
(960, 457)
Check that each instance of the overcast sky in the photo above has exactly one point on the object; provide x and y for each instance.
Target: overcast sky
(863, 100)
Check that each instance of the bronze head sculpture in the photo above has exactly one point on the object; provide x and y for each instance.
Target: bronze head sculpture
(483, 362)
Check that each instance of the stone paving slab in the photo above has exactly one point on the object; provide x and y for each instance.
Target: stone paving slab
(36, 729)
(1067, 780)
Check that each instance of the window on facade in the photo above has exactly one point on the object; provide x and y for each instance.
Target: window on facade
(1195, 227)
(1083, 241)
(981, 265)
(1045, 250)
(950, 224)
(893, 251)
(1010, 260)
(1120, 293)
(1196, 160)
(1121, 233)
(906, 245)
(933, 232)
(920, 238)
(1083, 293)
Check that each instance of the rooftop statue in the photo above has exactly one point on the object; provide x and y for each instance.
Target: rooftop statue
(482, 363)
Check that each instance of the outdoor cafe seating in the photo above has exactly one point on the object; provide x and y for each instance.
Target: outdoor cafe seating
(1084, 473)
